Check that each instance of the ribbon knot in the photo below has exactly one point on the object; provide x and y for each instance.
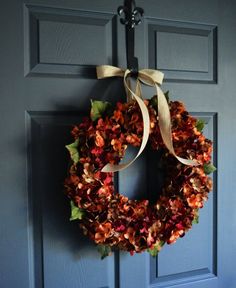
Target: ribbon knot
(151, 78)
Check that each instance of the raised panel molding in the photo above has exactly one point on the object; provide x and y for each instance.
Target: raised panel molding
(68, 43)
(185, 52)
(190, 263)
(56, 247)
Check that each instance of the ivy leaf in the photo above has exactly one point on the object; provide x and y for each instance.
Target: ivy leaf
(196, 218)
(209, 168)
(98, 109)
(200, 125)
(104, 250)
(73, 150)
(154, 251)
(153, 100)
(167, 96)
(76, 212)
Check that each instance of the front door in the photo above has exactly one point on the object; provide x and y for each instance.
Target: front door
(48, 53)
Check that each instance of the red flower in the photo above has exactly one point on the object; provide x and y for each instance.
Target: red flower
(103, 232)
(97, 151)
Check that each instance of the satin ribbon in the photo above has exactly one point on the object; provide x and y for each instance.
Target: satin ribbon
(151, 78)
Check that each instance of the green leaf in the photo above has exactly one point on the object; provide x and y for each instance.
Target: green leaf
(153, 252)
(76, 212)
(196, 218)
(153, 100)
(98, 109)
(167, 96)
(73, 149)
(209, 168)
(200, 125)
(104, 250)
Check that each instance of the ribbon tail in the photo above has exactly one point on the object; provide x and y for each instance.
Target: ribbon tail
(165, 126)
(146, 131)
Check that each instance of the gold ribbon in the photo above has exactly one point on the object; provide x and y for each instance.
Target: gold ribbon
(151, 78)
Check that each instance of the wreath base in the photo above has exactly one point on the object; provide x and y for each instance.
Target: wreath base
(112, 220)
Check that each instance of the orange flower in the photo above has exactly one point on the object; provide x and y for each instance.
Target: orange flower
(130, 235)
(195, 201)
(103, 232)
(133, 139)
(99, 139)
(175, 235)
(88, 175)
(118, 116)
(196, 184)
(116, 144)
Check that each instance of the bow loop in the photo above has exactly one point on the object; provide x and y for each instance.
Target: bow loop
(150, 77)
(107, 71)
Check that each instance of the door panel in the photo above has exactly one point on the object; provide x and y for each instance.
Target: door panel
(183, 51)
(49, 50)
(61, 41)
(51, 248)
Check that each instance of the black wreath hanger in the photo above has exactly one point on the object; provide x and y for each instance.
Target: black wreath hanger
(132, 15)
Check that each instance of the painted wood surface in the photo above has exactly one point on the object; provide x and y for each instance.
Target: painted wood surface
(49, 50)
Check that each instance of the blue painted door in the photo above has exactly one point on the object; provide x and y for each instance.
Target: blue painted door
(48, 53)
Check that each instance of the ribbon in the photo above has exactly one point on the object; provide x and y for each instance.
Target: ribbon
(151, 78)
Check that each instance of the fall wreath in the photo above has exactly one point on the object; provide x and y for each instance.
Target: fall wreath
(109, 218)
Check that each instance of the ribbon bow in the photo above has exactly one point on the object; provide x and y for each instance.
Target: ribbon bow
(151, 78)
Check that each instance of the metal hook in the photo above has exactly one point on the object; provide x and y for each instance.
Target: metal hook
(132, 15)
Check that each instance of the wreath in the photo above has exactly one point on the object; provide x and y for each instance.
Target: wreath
(109, 218)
